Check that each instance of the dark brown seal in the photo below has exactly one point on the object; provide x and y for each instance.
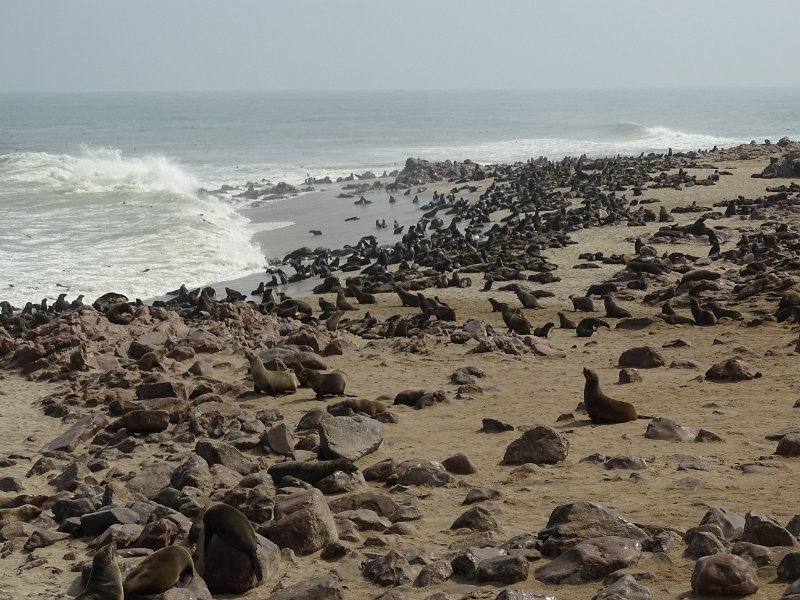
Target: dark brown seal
(582, 303)
(163, 570)
(614, 311)
(310, 472)
(105, 580)
(602, 409)
(233, 528)
(700, 315)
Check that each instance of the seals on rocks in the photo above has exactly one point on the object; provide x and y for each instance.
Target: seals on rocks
(700, 315)
(602, 409)
(614, 311)
(323, 384)
(270, 382)
(589, 325)
(233, 528)
(164, 569)
(25, 513)
(310, 472)
(105, 580)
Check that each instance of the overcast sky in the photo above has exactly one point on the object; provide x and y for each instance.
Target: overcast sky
(76, 45)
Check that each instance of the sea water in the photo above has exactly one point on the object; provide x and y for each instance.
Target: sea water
(100, 192)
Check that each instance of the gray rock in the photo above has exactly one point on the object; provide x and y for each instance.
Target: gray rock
(625, 588)
(704, 543)
(765, 531)
(481, 495)
(760, 556)
(422, 472)
(477, 518)
(731, 524)
(349, 437)
(221, 453)
(390, 570)
(668, 430)
(724, 574)
(467, 562)
(570, 524)
(789, 567)
(630, 376)
(82, 430)
(789, 445)
(590, 560)
(633, 463)
(321, 587)
(97, 522)
(434, 573)
(539, 445)
(279, 439)
(303, 522)
(505, 569)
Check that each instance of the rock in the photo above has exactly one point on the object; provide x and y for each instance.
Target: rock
(221, 453)
(633, 463)
(495, 426)
(521, 595)
(570, 524)
(389, 570)
(434, 573)
(763, 530)
(193, 473)
(684, 363)
(704, 435)
(590, 560)
(340, 482)
(789, 567)
(789, 445)
(97, 522)
(481, 495)
(760, 556)
(422, 472)
(539, 445)
(157, 534)
(459, 463)
(82, 430)
(321, 587)
(731, 524)
(142, 422)
(733, 369)
(365, 519)
(693, 463)
(704, 543)
(625, 588)
(506, 569)
(42, 538)
(10, 484)
(629, 376)
(668, 430)
(724, 574)
(467, 562)
(163, 389)
(349, 437)
(642, 357)
(303, 522)
(279, 439)
(378, 503)
(478, 519)
(232, 572)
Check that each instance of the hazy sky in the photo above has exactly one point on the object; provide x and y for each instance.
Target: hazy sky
(403, 44)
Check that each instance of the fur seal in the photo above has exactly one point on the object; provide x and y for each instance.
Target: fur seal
(332, 322)
(368, 407)
(499, 306)
(516, 322)
(105, 580)
(602, 409)
(543, 330)
(234, 529)
(700, 315)
(589, 325)
(20, 499)
(151, 360)
(25, 513)
(323, 384)
(565, 322)
(270, 382)
(721, 311)
(582, 303)
(613, 311)
(527, 299)
(406, 298)
(310, 472)
(162, 570)
(342, 303)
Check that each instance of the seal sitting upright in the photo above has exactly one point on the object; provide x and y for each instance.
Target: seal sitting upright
(602, 409)
(105, 580)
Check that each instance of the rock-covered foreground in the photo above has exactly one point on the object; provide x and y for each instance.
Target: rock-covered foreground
(460, 462)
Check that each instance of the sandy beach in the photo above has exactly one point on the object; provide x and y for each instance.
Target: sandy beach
(80, 363)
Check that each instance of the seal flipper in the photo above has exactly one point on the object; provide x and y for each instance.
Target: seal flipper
(257, 567)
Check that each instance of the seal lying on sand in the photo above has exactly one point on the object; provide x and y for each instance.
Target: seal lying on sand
(602, 409)
(25, 513)
(163, 570)
(105, 580)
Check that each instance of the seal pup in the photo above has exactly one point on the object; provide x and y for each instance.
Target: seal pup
(269, 382)
(544, 330)
(342, 303)
(25, 513)
(151, 360)
(233, 528)
(499, 306)
(105, 580)
(362, 405)
(700, 315)
(516, 322)
(323, 384)
(614, 311)
(721, 311)
(589, 325)
(564, 322)
(164, 569)
(332, 322)
(582, 303)
(602, 409)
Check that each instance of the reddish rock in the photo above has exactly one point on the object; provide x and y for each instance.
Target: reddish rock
(460, 464)
(724, 574)
(733, 369)
(642, 357)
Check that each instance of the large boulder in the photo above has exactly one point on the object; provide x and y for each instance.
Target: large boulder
(540, 445)
(303, 522)
(321, 587)
(733, 369)
(724, 574)
(591, 560)
(642, 357)
(349, 437)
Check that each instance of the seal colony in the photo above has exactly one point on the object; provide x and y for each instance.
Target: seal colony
(457, 404)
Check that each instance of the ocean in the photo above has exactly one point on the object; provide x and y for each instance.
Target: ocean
(100, 191)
